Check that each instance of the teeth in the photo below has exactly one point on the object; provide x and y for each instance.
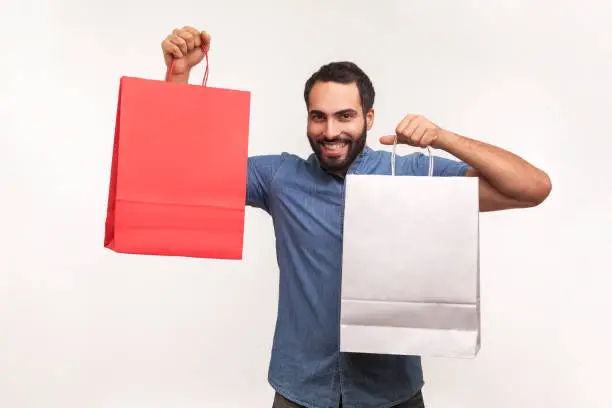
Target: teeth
(334, 146)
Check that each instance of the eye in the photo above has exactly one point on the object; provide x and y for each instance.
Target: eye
(316, 116)
(346, 115)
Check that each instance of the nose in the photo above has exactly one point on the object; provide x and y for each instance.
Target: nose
(332, 130)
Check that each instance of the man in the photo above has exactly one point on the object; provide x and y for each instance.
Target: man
(305, 199)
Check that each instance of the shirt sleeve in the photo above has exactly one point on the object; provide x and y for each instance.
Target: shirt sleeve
(260, 174)
(442, 167)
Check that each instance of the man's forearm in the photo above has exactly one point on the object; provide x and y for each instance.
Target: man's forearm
(506, 172)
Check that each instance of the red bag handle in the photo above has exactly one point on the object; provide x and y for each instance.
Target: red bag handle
(205, 80)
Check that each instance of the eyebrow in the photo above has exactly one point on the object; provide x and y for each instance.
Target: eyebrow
(340, 112)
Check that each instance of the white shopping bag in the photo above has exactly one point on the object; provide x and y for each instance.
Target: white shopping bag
(410, 268)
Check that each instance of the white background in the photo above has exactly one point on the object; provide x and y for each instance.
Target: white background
(81, 326)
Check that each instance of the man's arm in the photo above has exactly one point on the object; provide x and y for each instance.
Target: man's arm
(261, 171)
(506, 180)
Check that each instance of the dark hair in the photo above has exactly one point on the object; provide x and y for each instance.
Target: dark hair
(345, 73)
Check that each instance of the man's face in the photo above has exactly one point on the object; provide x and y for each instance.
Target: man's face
(336, 126)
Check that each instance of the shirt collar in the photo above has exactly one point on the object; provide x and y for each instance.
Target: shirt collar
(360, 160)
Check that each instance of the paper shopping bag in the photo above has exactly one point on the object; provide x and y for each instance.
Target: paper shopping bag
(178, 175)
(410, 269)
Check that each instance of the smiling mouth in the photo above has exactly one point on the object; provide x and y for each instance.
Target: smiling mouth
(335, 147)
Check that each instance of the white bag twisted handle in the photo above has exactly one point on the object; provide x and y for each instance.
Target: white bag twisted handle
(431, 163)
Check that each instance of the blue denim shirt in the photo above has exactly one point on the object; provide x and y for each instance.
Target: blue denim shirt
(307, 204)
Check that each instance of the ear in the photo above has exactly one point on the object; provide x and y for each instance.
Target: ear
(370, 118)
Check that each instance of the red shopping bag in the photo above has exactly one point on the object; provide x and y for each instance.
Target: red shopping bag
(178, 176)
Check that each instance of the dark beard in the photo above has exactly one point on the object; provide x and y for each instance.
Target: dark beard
(354, 149)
